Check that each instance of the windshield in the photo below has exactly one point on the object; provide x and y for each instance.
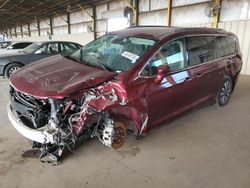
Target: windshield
(32, 48)
(113, 53)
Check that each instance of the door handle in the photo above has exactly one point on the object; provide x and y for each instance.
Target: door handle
(199, 75)
(188, 78)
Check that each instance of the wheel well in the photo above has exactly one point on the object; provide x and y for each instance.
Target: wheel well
(129, 124)
(233, 77)
(10, 64)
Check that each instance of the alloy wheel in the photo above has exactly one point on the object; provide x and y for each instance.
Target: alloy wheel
(225, 92)
(12, 70)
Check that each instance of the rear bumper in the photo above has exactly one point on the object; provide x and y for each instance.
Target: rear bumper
(42, 135)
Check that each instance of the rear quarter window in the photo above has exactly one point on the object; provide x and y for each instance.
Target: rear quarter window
(226, 45)
(201, 49)
(69, 47)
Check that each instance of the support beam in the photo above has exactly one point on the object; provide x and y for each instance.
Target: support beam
(10, 33)
(94, 22)
(130, 4)
(38, 28)
(21, 29)
(137, 12)
(68, 23)
(93, 16)
(217, 16)
(51, 26)
(81, 7)
(4, 3)
(7, 35)
(169, 13)
(60, 16)
(108, 5)
(15, 32)
(29, 30)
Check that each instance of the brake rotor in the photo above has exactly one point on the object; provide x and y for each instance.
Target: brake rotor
(120, 135)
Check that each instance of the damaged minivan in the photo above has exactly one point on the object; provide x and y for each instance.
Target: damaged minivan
(126, 81)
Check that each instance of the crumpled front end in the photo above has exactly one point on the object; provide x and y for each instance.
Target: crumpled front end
(56, 125)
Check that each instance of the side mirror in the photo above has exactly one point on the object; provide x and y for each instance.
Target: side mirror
(38, 52)
(162, 70)
(9, 48)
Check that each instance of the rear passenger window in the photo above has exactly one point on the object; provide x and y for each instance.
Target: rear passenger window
(68, 47)
(201, 49)
(226, 45)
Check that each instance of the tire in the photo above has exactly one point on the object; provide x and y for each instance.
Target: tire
(11, 68)
(225, 91)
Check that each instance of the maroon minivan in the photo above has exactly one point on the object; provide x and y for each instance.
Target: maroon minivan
(129, 80)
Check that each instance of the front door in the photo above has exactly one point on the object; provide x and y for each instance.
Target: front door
(172, 96)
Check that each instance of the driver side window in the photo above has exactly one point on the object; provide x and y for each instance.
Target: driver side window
(53, 48)
(49, 48)
(172, 55)
(43, 49)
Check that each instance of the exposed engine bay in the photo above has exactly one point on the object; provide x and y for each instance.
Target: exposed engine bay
(57, 125)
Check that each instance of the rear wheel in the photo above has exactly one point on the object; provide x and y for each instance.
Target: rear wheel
(11, 68)
(225, 92)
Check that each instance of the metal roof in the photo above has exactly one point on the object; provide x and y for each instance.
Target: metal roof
(18, 12)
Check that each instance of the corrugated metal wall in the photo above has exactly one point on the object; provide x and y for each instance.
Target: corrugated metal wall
(242, 30)
(81, 38)
(234, 17)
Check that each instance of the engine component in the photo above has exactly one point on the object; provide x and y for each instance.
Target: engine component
(33, 112)
(61, 124)
(108, 132)
(108, 135)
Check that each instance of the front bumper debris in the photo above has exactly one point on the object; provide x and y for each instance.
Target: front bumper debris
(42, 135)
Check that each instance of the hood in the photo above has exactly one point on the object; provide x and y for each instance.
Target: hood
(4, 52)
(57, 77)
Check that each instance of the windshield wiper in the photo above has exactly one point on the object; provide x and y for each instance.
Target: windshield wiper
(106, 67)
(76, 59)
(91, 61)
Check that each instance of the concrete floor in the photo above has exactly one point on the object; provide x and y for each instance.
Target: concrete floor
(206, 148)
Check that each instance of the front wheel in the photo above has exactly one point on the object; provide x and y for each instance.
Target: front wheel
(120, 135)
(11, 68)
(225, 92)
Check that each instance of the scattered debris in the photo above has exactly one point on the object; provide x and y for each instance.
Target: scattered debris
(132, 151)
(172, 158)
(33, 153)
(3, 139)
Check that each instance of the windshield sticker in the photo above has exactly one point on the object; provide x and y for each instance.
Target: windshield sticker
(129, 55)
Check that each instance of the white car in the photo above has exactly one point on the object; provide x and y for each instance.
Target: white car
(15, 47)
(5, 44)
